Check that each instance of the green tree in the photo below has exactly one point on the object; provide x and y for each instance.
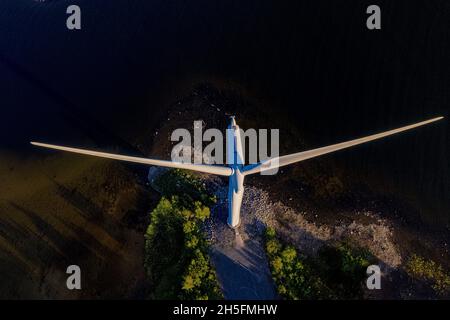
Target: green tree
(337, 272)
(420, 268)
(176, 251)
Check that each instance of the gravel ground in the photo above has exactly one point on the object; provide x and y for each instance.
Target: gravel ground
(259, 211)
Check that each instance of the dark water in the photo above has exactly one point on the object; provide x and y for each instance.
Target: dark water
(311, 60)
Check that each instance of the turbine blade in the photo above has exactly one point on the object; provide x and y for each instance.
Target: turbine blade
(218, 170)
(304, 155)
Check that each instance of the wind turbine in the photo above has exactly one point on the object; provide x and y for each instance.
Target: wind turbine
(235, 169)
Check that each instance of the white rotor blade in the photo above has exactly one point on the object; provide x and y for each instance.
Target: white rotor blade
(300, 156)
(219, 170)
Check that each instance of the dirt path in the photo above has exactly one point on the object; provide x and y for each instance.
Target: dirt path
(242, 267)
(243, 272)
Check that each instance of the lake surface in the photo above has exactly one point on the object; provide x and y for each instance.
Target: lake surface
(313, 61)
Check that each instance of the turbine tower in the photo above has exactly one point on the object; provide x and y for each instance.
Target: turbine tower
(235, 169)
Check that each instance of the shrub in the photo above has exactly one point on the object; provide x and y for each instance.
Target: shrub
(337, 272)
(199, 281)
(176, 259)
(164, 234)
(293, 278)
(428, 270)
(344, 267)
(188, 187)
